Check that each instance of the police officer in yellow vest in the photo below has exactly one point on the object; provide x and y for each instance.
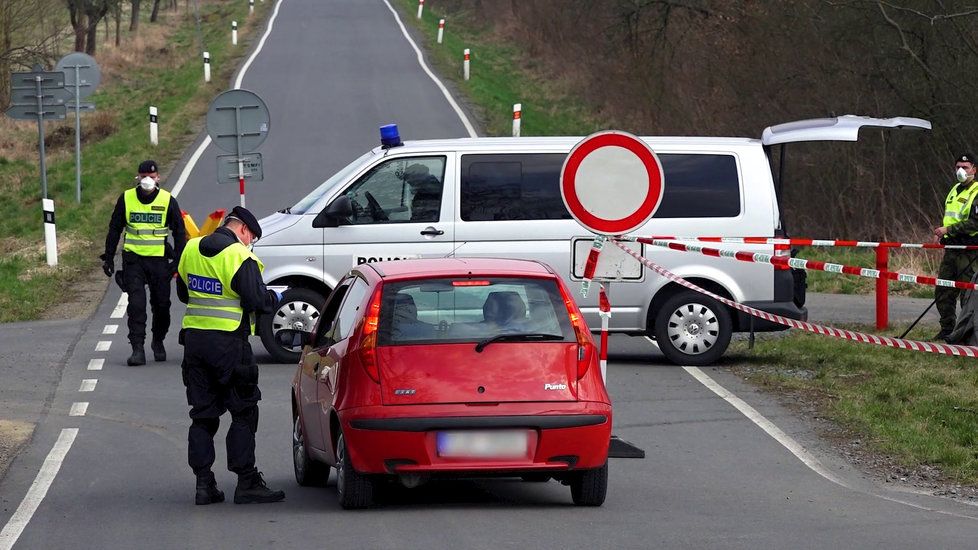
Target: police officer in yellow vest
(220, 281)
(960, 226)
(146, 214)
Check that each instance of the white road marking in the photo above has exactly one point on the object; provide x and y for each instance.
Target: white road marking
(120, 307)
(103, 345)
(88, 384)
(110, 329)
(78, 408)
(22, 516)
(451, 101)
(185, 173)
(96, 364)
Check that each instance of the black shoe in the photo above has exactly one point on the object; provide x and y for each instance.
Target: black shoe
(138, 356)
(159, 352)
(943, 335)
(252, 489)
(207, 491)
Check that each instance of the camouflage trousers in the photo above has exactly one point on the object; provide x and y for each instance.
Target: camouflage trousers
(956, 265)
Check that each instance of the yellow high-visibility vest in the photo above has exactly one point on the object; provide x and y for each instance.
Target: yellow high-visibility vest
(213, 304)
(957, 206)
(146, 229)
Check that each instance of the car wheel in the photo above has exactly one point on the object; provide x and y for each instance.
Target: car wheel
(308, 472)
(692, 329)
(299, 309)
(590, 487)
(355, 489)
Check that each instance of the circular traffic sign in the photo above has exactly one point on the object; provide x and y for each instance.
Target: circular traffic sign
(611, 182)
(237, 121)
(89, 75)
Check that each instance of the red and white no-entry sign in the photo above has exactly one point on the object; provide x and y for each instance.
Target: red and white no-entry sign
(611, 182)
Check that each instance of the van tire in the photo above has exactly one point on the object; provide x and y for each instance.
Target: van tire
(298, 305)
(692, 329)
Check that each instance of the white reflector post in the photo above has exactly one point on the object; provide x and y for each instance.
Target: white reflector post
(154, 126)
(50, 235)
(207, 66)
(517, 115)
(441, 29)
(234, 33)
(420, 8)
(251, 7)
(465, 64)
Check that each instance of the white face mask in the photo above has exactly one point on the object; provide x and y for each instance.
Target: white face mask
(147, 183)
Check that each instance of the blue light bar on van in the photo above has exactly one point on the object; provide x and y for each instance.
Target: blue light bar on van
(389, 136)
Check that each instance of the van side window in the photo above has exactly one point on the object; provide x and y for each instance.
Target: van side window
(527, 187)
(401, 190)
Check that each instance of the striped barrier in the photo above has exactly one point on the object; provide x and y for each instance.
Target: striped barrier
(809, 242)
(930, 347)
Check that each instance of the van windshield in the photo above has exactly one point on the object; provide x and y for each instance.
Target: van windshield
(309, 200)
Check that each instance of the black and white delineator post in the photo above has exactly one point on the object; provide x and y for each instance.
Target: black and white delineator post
(39, 95)
(207, 66)
(82, 76)
(154, 125)
(251, 7)
(50, 234)
(234, 33)
(238, 122)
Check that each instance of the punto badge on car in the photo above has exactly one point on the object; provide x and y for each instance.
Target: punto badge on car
(558, 386)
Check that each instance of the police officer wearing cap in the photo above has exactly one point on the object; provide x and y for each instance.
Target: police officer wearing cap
(221, 283)
(960, 226)
(147, 215)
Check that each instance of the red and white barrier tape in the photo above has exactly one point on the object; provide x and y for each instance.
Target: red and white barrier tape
(808, 265)
(809, 242)
(604, 310)
(592, 263)
(944, 349)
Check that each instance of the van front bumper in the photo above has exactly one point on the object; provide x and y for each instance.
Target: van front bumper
(783, 309)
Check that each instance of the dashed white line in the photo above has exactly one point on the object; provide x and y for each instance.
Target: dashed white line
(78, 408)
(22, 516)
(103, 345)
(96, 364)
(88, 384)
(110, 329)
(120, 307)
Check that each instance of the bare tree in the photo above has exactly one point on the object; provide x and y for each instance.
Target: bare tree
(134, 17)
(25, 39)
(156, 11)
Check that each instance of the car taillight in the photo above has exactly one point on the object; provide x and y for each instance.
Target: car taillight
(782, 250)
(368, 345)
(580, 330)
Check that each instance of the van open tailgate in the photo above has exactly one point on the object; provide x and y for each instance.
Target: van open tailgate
(840, 128)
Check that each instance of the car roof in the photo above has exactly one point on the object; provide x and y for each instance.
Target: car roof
(561, 143)
(459, 267)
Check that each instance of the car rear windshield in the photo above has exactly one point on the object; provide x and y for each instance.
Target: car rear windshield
(472, 310)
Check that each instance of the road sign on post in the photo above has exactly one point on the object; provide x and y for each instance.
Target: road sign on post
(38, 95)
(238, 122)
(82, 76)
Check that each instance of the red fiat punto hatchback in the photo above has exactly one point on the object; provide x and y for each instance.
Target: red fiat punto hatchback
(449, 367)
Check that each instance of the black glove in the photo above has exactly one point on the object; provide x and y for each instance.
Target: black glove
(108, 266)
(172, 266)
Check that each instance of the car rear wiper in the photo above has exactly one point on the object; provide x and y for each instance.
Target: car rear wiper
(516, 337)
(286, 210)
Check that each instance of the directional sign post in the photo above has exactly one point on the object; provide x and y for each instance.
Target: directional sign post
(238, 122)
(82, 76)
(38, 95)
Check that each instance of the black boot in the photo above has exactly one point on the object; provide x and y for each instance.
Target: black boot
(207, 491)
(252, 489)
(159, 352)
(138, 356)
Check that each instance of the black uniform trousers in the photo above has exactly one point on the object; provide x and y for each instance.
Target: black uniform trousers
(138, 273)
(220, 374)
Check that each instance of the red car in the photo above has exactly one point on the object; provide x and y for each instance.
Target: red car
(449, 367)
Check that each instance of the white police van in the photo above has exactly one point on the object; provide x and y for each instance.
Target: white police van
(500, 197)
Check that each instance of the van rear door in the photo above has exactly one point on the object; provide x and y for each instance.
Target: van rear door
(841, 128)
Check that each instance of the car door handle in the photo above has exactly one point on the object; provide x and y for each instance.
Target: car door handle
(431, 231)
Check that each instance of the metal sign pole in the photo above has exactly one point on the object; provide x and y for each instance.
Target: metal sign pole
(40, 136)
(237, 139)
(77, 134)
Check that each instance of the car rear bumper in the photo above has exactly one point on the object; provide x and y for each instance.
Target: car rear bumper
(399, 440)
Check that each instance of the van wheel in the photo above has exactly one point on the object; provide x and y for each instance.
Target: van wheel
(308, 472)
(355, 490)
(299, 309)
(692, 329)
(590, 487)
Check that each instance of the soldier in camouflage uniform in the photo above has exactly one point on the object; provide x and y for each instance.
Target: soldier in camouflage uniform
(960, 226)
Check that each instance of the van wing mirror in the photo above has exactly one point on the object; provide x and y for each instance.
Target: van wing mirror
(337, 213)
(291, 338)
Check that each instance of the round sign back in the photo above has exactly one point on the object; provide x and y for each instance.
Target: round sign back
(611, 182)
(238, 118)
(89, 74)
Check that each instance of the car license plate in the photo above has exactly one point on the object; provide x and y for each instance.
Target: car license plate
(483, 444)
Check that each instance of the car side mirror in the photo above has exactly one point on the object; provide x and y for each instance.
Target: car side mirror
(291, 338)
(336, 214)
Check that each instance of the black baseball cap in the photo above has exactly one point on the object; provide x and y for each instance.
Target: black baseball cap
(148, 167)
(241, 213)
(967, 157)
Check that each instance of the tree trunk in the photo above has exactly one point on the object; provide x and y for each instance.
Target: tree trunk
(92, 43)
(5, 43)
(156, 11)
(118, 21)
(78, 19)
(134, 17)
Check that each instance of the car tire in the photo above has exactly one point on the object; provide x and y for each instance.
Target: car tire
(299, 309)
(692, 329)
(308, 472)
(355, 490)
(590, 487)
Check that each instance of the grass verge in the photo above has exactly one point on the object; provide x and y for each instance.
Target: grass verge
(159, 66)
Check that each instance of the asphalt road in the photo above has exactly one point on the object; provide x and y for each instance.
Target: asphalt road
(712, 476)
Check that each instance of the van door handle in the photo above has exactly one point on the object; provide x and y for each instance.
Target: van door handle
(431, 231)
